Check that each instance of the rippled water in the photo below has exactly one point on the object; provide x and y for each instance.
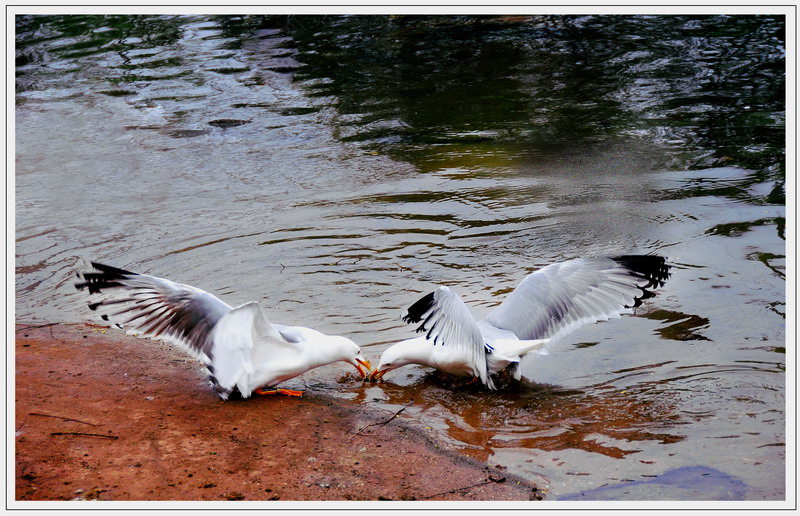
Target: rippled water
(335, 168)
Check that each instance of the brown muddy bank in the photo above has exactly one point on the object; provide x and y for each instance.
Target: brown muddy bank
(106, 416)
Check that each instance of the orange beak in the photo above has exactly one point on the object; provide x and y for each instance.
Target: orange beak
(364, 373)
(376, 375)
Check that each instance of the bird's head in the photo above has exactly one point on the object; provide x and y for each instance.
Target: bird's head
(349, 352)
(413, 351)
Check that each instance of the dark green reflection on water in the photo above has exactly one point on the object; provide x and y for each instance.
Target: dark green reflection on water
(709, 89)
(480, 91)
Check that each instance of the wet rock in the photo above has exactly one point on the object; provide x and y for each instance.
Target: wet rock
(686, 483)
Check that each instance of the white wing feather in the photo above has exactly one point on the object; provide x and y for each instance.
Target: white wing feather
(449, 323)
(156, 307)
(241, 336)
(562, 297)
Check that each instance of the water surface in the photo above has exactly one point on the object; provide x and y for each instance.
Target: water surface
(337, 168)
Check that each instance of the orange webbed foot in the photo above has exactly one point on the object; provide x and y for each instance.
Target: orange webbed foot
(269, 392)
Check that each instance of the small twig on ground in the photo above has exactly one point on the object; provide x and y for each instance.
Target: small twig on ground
(62, 417)
(23, 423)
(479, 484)
(36, 326)
(85, 434)
(383, 422)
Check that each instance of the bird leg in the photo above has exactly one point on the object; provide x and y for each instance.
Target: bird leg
(285, 392)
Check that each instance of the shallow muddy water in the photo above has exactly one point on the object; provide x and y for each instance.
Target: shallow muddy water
(337, 168)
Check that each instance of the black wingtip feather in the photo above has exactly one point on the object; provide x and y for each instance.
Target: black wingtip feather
(108, 277)
(417, 310)
(653, 268)
(112, 271)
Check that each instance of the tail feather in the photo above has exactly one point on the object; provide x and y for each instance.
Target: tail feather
(520, 348)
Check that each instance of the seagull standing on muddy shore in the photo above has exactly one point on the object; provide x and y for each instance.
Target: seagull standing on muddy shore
(545, 306)
(243, 352)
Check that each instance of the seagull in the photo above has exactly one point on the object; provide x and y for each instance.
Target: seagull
(243, 352)
(545, 306)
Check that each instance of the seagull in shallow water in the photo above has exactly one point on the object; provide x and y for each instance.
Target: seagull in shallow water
(545, 306)
(241, 349)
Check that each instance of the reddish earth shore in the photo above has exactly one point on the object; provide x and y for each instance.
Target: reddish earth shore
(105, 416)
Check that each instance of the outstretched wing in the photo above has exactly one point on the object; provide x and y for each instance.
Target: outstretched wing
(449, 323)
(155, 307)
(560, 298)
(232, 342)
